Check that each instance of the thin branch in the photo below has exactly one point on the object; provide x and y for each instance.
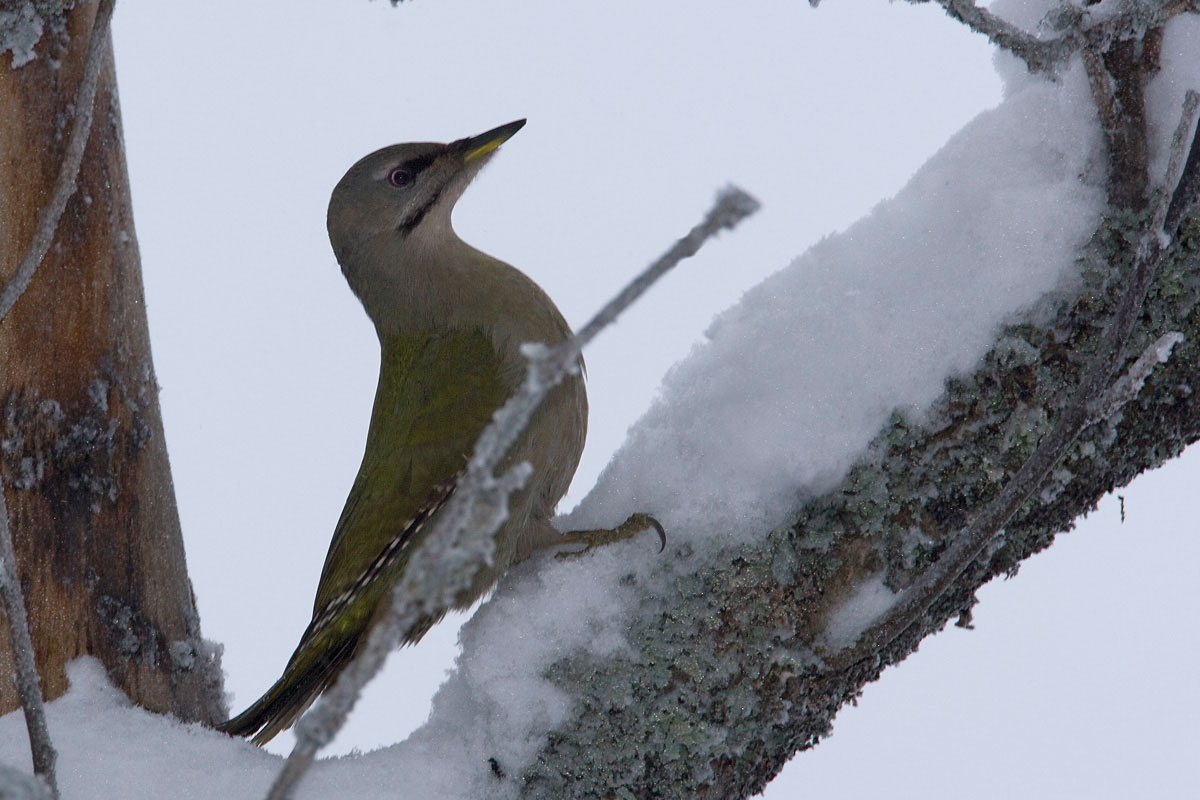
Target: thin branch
(1047, 55)
(29, 690)
(1188, 186)
(461, 541)
(1104, 93)
(732, 206)
(1038, 55)
(966, 546)
(64, 185)
(1117, 72)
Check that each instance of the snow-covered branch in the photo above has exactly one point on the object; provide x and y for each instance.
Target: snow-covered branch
(743, 651)
(1076, 28)
(1039, 55)
(1092, 393)
(914, 407)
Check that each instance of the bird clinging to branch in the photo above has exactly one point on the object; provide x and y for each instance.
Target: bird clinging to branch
(451, 321)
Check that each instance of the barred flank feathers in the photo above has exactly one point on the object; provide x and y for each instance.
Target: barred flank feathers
(329, 643)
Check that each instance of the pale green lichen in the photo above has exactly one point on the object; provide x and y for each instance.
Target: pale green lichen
(725, 681)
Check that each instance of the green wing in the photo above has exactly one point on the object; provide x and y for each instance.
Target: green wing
(436, 394)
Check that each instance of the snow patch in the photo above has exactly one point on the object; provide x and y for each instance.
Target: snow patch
(20, 30)
(869, 601)
(796, 379)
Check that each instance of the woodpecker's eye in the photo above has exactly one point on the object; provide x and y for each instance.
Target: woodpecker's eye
(400, 177)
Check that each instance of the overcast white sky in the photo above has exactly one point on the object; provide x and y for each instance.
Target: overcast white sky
(239, 118)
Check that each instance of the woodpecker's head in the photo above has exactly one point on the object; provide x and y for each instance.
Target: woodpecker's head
(407, 189)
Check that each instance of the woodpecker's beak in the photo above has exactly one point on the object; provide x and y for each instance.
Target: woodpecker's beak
(485, 143)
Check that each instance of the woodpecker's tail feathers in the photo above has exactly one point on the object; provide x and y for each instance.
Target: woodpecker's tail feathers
(302, 682)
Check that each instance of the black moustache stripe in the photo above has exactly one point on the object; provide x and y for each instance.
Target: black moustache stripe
(406, 227)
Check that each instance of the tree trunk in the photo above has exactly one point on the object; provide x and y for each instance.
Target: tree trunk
(84, 461)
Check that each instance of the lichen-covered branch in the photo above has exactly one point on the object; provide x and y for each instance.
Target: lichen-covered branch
(729, 676)
(737, 666)
(1080, 411)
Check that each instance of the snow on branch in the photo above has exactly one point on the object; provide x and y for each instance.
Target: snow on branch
(739, 650)
(1092, 397)
(461, 540)
(1038, 55)
(1080, 27)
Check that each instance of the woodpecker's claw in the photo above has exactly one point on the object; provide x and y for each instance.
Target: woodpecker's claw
(658, 528)
(626, 530)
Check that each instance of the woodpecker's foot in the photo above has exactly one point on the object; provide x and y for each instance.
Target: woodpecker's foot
(626, 530)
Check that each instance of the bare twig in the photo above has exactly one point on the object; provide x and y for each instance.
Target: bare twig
(64, 185)
(1117, 73)
(1188, 186)
(1038, 55)
(1047, 55)
(1175, 165)
(966, 546)
(461, 542)
(732, 206)
(1103, 91)
(29, 690)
